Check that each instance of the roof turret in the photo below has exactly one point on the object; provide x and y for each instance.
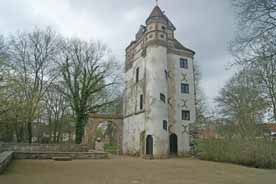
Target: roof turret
(158, 14)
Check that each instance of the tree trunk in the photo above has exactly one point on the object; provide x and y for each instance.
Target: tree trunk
(274, 111)
(79, 129)
(30, 132)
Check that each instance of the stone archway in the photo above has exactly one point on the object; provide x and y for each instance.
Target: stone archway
(96, 119)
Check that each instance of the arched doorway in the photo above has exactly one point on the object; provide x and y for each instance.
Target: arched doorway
(173, 144)
(149, 145)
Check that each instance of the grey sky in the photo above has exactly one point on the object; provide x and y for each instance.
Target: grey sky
(205, 26)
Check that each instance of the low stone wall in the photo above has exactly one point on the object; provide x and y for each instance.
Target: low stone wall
(51, 155)
(22, 147)
(5, 158)
(49, 151)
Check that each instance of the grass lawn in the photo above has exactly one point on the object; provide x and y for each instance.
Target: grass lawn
(125, 170)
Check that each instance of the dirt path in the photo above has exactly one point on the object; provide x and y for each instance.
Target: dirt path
(132, 171)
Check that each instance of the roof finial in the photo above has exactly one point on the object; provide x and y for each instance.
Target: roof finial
(156, 2)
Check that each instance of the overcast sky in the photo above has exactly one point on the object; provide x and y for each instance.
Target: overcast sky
(205, 26)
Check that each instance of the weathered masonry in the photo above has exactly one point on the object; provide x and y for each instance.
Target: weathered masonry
(159, 95)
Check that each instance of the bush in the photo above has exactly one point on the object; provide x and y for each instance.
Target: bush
(257, 153)
(111, 148)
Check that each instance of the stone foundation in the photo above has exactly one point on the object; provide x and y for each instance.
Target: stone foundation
(5, 159)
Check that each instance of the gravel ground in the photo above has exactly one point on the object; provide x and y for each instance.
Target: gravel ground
(125, 170)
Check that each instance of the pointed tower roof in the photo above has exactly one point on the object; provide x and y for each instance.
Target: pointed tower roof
(157, 13)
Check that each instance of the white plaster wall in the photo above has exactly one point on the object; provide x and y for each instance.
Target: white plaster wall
(157, 111)
(133, 90)
(181, 127)
(133, 126)
(134, 121)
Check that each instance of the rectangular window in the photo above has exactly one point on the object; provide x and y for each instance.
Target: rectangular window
(165, 125)
(137, 74)
(186, 115)
(185, 88)
(166, 74)
(162, 97)
(183, 63)
(141, 102)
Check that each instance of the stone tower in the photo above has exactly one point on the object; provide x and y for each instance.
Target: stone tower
(159, 95)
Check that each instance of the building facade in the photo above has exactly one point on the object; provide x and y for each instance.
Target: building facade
(159, 95)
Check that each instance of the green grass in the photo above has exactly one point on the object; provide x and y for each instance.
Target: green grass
(254, 153)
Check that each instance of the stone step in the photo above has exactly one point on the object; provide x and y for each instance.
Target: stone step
(62, 158)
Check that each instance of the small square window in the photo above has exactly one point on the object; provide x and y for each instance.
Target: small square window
(183, 63)
(185, 88)
(162, 97)
(165, 125)
(186, 115)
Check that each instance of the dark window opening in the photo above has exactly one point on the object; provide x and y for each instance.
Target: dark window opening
(137, 74)
(186, 115)
(163, 27)
(141, 102)
(165, 125)
(166, 74)
(162, 97)
(183, 63)
(184, 88)
(162, 36)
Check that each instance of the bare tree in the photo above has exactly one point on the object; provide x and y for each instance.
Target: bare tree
(241, 102)
(88, 75)
(255, 45)
(56, 112)
(200, 99)
(32, 57)
(257, 18)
